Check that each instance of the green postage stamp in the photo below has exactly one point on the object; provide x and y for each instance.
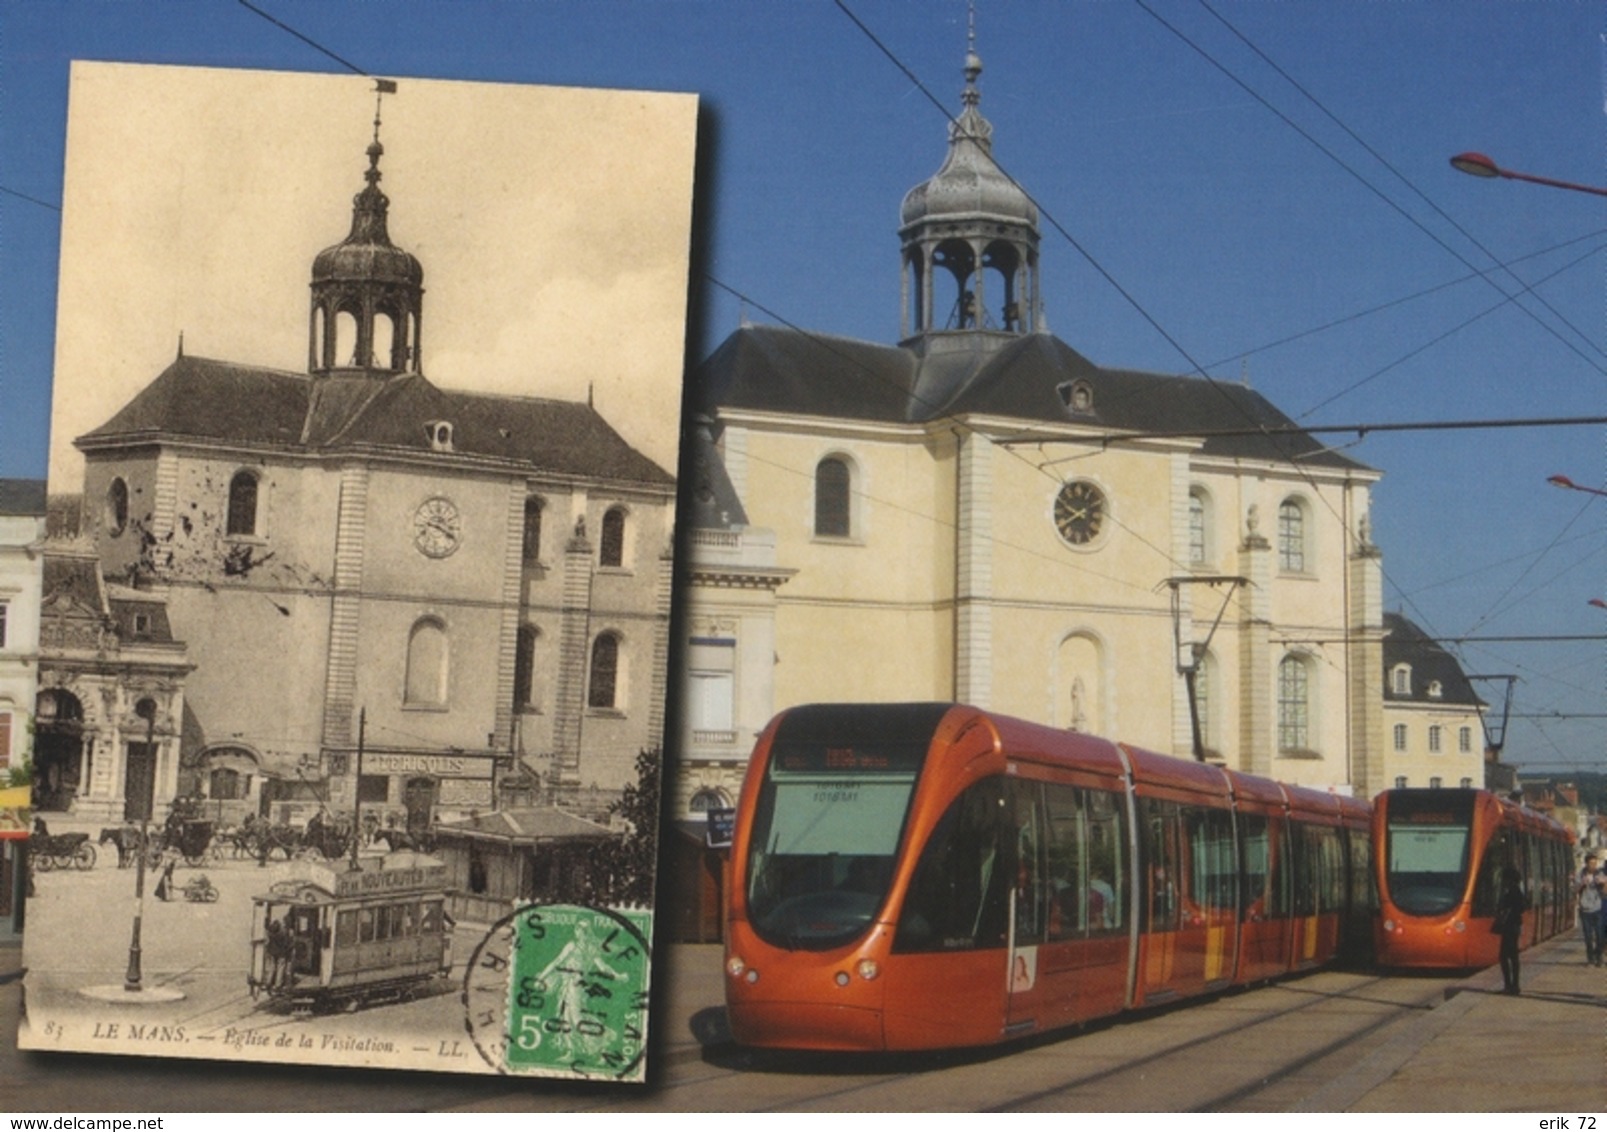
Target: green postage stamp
(561, 990)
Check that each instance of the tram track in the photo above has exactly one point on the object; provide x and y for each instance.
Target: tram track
(1120, 1061)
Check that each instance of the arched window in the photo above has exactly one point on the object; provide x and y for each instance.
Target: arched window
(532, 531)
(243, 504)
(1291, 537)
(603, 688)
(524, 669)
(709, 798)
(426, 664)
(1294, 704)
(611, 548)
(1199, 545)
(116, 506)
(832, 515)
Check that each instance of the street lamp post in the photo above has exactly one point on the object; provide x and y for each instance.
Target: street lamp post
(132, 979)
(1565, 482)
(1478, 165)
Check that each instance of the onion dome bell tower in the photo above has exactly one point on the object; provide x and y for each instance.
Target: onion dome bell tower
(367, 293)
(970, 237)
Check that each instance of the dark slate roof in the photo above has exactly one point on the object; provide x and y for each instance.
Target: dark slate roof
(74, 579)
(1406, 643)
(250, 406)
(782, 370)
(22, 497)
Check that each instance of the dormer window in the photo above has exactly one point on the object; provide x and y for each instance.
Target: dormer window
(1400, 680)
(1077, 396)
(1435, 690)
(439, 434)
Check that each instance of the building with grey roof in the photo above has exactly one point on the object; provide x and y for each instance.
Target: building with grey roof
(390, 593)
(978, 512)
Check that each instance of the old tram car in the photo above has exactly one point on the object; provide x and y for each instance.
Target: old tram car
(348, 937)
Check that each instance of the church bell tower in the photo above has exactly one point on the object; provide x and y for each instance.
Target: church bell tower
(970, 237)
(367, 293)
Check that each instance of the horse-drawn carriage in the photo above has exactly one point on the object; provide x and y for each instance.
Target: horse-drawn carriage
(50, 851)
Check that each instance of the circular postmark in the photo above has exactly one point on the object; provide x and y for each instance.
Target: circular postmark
(561, 990)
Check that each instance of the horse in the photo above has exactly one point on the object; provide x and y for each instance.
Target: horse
(127, 840)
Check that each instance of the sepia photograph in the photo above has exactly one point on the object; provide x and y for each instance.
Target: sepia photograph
(353, 638)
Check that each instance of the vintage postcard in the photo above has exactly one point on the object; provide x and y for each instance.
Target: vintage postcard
(356, 600)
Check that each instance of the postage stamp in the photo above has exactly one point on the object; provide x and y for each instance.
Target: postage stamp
(562, 990)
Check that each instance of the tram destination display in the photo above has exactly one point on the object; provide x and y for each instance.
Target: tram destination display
(352, 690)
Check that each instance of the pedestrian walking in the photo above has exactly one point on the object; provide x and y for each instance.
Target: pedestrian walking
(1509, 910)
(1589, 886)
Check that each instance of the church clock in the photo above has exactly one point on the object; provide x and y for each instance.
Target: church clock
(437, 527)
(1080, 511)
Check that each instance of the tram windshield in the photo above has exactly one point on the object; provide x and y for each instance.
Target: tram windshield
(824, 839)
(1427, 851)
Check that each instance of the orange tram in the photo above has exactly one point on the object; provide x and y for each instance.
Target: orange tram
(1440, 855)
(916, 876)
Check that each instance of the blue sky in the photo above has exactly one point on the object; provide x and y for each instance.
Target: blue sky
(1183, 182)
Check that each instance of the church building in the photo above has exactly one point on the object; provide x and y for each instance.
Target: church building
(980, 513)
(387, 591)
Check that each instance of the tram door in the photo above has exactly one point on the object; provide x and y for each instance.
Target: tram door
(1173, 956)
(1264, 951)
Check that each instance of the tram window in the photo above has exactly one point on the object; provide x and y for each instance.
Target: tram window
(1213, 869)
(1330, 870)
(1072, 904)
(1303, 867)
(1107, 872)
(365, 925)
(959, 896)
(407, 927)
(430, 918)
(346, 927)
(1488, 887)
(1026, 819)
(1161, 863)
(1254, 832)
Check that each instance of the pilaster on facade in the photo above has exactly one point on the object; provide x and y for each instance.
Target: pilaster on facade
(664, 586)
(1257, 725)
(573, 657)
(973, 582)
(351, 534)
(165, 496)
(1365, 660)
(513, 613)
(1182, 717)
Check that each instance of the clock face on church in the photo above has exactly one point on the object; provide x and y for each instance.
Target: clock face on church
(437, 527)
(1080, 512)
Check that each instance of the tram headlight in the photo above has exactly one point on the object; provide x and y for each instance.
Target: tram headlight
(840, 978)
(734, 966)
(752, 976)
(868, 969)
(1389, 925)
(1460, 925)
